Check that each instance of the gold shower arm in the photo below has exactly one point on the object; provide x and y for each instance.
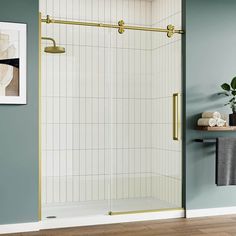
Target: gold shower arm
(51, 39)
(170, 30)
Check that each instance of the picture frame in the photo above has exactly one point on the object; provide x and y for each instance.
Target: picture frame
(13, 71)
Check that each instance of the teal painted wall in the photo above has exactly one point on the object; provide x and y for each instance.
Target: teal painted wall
(210, 60)
(19, 128)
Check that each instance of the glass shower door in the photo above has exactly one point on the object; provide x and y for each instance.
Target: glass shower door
(146, 156)
(131, 105)
(76, 112)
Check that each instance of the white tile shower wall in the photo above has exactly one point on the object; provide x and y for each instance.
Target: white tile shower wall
(76, 105)
(166, 80)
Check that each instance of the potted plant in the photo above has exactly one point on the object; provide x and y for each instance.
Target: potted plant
(230, 92)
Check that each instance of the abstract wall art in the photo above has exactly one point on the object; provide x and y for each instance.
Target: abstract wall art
(13, 63)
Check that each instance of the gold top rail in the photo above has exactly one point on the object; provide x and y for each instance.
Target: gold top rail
(170, 30)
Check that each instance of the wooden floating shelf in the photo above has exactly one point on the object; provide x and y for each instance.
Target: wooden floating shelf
(226, 128)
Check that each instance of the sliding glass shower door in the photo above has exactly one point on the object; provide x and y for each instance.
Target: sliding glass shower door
(76, 112)
(146, 160)
(110, 134)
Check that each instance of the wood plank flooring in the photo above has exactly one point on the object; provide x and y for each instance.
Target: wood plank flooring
(208, 226)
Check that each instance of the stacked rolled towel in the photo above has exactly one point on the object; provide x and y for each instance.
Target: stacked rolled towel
(212, 119)
(220, 122)
(206, 122)
(214, 115)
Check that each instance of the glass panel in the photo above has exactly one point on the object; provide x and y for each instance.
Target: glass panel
(146, 162)
(76, 112)
(107, 142)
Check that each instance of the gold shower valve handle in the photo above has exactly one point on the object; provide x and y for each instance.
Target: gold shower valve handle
(121, 24)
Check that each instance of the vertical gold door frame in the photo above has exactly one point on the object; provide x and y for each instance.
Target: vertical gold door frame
(39, 125)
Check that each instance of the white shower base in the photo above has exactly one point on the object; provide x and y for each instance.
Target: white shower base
(95, 208)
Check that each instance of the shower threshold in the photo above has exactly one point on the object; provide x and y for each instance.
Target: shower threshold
(93, 208)
(88, 214)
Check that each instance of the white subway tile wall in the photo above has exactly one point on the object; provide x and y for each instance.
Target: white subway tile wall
(107, 103)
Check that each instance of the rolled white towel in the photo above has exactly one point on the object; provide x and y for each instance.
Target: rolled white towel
(209, 114)
(220, 122)
(206, 122)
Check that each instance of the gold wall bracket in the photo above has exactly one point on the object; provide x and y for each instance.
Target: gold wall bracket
(48, 20)
(121, 27)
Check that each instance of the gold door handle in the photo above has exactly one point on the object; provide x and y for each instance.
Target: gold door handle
(176, 116)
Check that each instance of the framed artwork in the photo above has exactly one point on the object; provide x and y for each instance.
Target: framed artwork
(13, 63)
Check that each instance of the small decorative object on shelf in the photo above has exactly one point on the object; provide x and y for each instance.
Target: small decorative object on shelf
(230, 91)
(212, 119)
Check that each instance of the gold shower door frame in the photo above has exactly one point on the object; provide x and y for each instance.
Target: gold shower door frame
(121, 27)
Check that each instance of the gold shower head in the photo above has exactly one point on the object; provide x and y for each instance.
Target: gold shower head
(54, 48)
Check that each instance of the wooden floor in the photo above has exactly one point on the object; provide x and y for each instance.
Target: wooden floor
(209, 226)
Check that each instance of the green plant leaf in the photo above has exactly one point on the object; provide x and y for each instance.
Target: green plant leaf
(233, 83)
(225, 86)
(234, 93)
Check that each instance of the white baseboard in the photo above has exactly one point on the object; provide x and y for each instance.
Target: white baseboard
(88, 221)
(210, 212)
(106, 219)
(18, 228)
